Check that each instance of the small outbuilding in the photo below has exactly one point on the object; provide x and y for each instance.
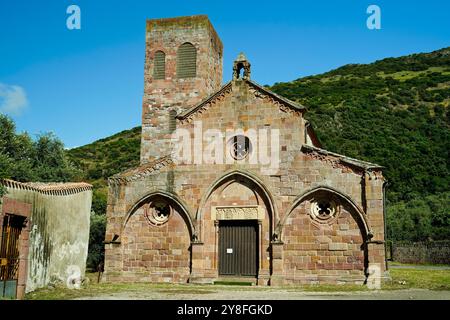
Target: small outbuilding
(44, 232)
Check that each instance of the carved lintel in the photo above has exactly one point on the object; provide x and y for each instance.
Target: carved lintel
(237, 213)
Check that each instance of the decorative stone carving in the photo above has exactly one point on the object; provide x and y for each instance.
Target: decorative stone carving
(332, 161)
(323, 210)
(157, 212)
(237, 213)
(216, 98)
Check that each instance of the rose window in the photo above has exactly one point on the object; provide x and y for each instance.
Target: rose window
(323, 210)
(157, 212)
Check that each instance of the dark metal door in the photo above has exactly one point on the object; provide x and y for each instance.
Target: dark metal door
(9, 255)
(238, 248)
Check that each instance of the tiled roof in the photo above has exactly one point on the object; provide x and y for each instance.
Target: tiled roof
(53, 188)
(281, 99)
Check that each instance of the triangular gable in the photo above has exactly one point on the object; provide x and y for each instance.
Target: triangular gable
(284, 104)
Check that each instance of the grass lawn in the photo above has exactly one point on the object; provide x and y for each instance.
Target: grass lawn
(405, 278)
(395, 264)
(418, 278)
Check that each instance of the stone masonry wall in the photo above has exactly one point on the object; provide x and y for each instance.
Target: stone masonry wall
(154, 253)
(298, 172)
(322, 253)
(337, 253)
(161, 97)
(435, 252)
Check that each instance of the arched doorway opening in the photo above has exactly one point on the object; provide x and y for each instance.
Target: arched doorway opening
(236, 223)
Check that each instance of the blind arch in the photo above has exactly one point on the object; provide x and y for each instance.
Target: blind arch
(186, 61)
(159, 66)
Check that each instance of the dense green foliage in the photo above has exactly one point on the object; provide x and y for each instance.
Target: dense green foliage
(106, 157)
(96, 251)
(45, 160)
(420, 219)
(25, 159)
(393, 112)
(99, 161)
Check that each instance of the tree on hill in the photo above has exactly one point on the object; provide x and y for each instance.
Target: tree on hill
(24, 159)
(45, 160)
(393, 112)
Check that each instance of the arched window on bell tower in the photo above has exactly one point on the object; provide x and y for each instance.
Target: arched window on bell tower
(159, 67)
(186, 61)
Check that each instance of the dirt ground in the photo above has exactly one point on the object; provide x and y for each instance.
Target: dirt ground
(272, 294)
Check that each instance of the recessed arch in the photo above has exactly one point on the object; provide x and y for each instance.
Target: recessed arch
(186, 61)
(172, 198)
(245, 175)
(365, 230)
(159, 65)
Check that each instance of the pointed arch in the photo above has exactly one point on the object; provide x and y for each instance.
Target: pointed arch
(172, 198)
(246, 175)
(365, 230)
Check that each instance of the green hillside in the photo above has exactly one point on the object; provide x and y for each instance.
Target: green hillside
(393, 112)
(104, 158)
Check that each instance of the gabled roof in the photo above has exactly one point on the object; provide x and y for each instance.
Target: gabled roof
(281, 99)
(342, 159)
(228, 88)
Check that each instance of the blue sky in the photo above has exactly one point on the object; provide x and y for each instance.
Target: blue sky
(87, 84)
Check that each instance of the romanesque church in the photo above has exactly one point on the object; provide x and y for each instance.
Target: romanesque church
(270, 206)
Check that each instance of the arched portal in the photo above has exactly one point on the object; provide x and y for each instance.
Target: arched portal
(235, 222)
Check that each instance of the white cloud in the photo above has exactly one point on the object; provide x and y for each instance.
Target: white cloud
(13, 99)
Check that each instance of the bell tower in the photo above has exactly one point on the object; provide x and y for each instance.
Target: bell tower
(183, 66)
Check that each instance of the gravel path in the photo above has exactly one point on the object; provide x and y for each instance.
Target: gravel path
(272, 294)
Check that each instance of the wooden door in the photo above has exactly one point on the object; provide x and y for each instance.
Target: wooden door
(9, 255)
(238, 248)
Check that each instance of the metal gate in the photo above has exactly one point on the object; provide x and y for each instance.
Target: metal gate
(238, 248)
(9, 255)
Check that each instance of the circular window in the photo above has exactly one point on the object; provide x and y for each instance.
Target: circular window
(157, 212)
(323, 210)
(240, 147)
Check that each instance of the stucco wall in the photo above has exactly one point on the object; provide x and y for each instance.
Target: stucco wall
(59, 236)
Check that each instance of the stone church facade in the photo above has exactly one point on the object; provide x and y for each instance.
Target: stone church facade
(293, 215)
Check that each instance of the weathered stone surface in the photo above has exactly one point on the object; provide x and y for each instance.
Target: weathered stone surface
(294, 246)
(55, 238)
